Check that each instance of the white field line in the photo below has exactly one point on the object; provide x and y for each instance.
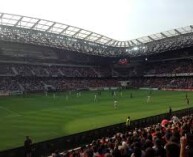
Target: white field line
(10, 111)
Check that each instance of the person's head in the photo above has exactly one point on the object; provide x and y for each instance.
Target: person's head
(190, 152)
(172, 150)
(168, 135)
(174, 139)
(148, 143)
(149, 152)
(88, 153)
(137, 152)
(158, 142)
(108, 155)
(57, 152)
(137, 149)
(190, 140)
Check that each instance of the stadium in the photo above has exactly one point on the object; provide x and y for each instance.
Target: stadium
(71, 90)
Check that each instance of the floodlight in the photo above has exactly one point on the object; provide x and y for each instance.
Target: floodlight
(135, 48)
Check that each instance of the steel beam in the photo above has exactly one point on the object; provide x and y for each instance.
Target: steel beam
(35, 24)
(178, 32)
(50, 27)
(18, 21)
(64, 30)
(164, 35)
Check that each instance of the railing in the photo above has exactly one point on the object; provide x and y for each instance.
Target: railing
(45, 148)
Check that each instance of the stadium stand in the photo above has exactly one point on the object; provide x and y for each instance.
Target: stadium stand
(169, 138)
(171, 67)
(171, 74)
(34, 78)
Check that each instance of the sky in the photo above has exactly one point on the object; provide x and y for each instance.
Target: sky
(118, 19)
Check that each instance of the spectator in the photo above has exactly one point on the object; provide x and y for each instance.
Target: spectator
(172, 150)
(28, 147)
(88, 153)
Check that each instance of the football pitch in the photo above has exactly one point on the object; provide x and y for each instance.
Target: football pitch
(46, 117)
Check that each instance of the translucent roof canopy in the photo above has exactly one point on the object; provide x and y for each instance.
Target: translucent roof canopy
(16, 28)
(53, 27)
(78, 33)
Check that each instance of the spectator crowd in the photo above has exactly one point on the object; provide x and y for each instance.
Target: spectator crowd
(170, 67)
(35, 78)
(169, 138)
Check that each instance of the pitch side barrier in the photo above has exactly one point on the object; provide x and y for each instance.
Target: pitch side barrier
(45, 148)
(147, 88)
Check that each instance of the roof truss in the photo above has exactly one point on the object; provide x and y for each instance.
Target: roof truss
(73, 32)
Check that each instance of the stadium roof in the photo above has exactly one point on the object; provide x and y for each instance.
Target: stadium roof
(58, 32)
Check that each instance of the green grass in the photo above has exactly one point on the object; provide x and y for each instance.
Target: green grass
(44, 117)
